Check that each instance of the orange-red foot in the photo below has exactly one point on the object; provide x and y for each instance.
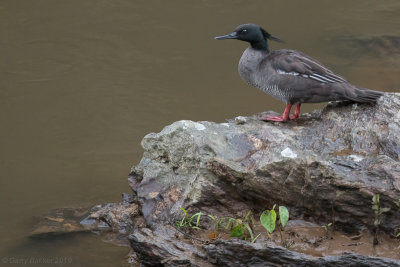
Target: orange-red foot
(273, 118)
(296, 112)
(285, 116)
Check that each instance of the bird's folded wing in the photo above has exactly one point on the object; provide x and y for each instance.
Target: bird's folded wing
(295, 63)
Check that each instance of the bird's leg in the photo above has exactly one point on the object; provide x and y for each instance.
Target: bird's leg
(283, 117)
(296, 113)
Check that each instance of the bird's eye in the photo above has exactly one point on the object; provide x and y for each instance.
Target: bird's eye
(243, 31)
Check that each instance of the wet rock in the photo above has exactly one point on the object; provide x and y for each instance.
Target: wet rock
(119, 217)
(327, 164)
(154, 248)
(114, 220)
(61, 221)
(323, 163)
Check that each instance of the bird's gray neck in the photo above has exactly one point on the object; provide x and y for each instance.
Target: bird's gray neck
(252, 56)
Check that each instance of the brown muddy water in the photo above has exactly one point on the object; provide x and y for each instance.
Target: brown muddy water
(83, 81)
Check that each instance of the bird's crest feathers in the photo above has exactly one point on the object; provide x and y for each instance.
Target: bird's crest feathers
(267, 35)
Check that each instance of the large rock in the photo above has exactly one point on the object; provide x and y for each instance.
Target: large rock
(330, 161)
(327, 164)
(324, 167)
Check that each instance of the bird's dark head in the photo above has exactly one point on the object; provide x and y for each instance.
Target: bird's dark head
(251, 33)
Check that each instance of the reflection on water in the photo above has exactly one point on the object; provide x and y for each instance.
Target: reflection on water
(83, 81)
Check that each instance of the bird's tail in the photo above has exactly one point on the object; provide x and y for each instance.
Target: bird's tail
(362, 95)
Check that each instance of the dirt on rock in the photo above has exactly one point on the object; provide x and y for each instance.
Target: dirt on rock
(311, 239)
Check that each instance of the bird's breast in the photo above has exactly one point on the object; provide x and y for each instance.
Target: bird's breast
(247, 70)
(250, 66)
(254, 70)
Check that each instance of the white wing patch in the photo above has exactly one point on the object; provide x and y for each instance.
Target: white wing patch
(324, 78)
(328, 78)
(288, 73)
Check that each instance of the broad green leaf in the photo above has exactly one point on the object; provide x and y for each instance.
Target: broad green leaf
(283, 215)
(237, 231)
(268, 220)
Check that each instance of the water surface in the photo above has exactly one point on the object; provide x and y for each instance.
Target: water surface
(83, 81)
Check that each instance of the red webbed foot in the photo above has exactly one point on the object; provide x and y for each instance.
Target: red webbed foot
(285, 116)
(273, 118)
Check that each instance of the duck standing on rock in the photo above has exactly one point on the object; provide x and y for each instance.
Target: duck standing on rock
(291, 76)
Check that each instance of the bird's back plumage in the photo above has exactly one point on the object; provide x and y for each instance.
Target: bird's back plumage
(293, 77)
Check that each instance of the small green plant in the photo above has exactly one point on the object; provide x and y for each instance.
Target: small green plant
(326, 228)
(240, 227)
(187, 220)
(378, 211)
(218, 222)
(268, 220)
(289, 244)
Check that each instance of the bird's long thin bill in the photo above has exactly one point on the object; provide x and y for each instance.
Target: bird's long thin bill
(232, 35)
